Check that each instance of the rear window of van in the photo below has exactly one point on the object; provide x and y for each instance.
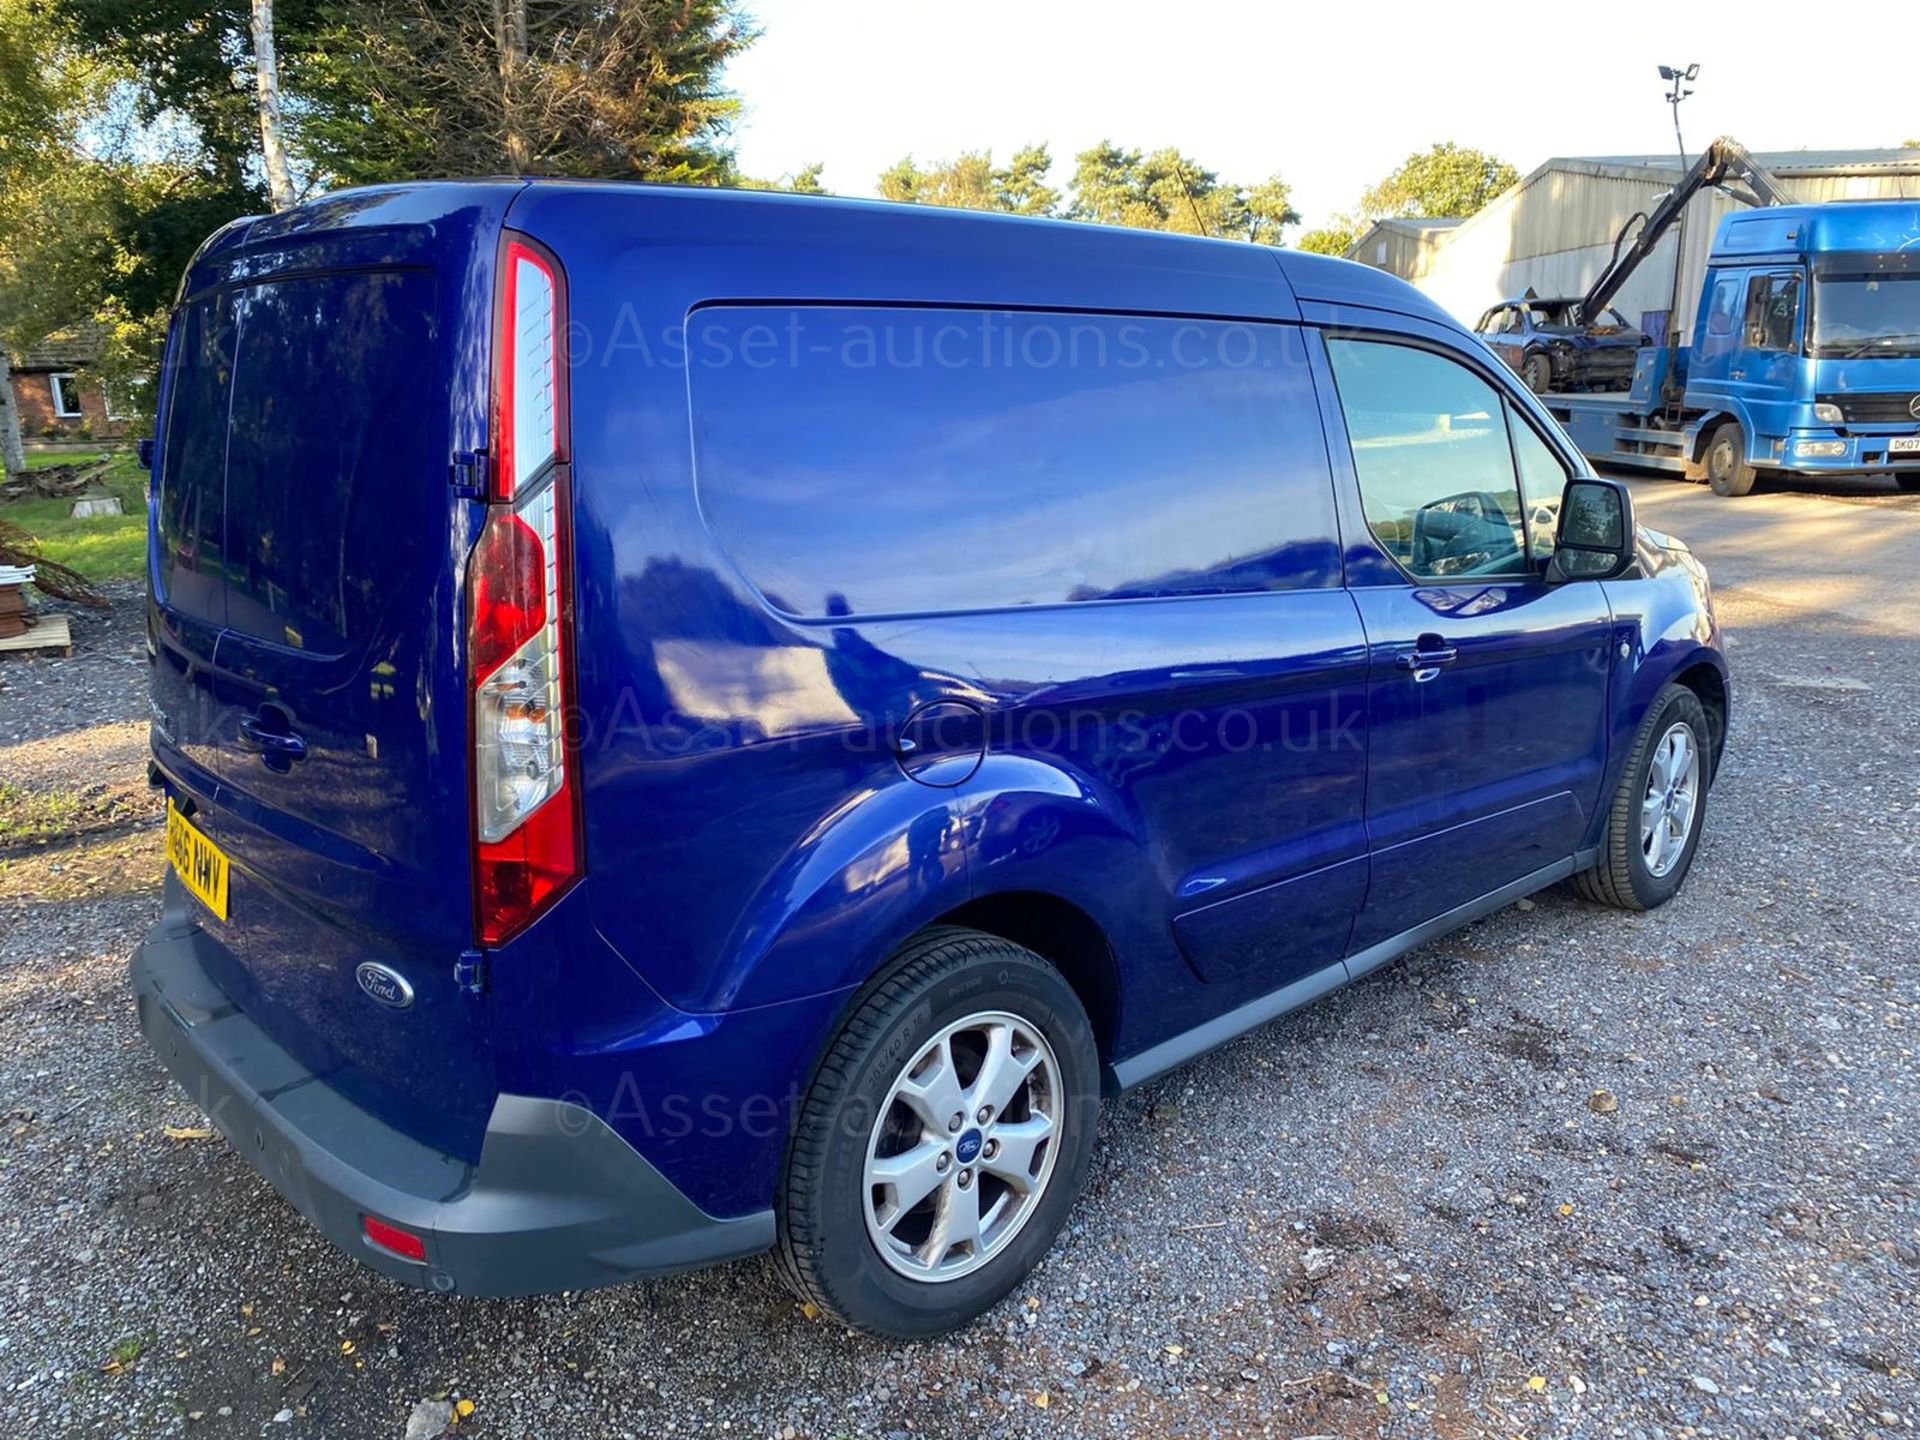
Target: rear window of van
(867, 461)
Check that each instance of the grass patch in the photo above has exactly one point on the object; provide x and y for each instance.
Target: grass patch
(34, 817)
(106, 547)
(35, 814)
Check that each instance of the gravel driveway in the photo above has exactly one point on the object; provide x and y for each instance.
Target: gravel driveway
(1567, 1173)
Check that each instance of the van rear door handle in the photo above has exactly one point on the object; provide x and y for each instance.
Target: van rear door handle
(267, 734)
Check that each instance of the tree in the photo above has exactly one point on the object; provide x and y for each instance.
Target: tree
(1335, 238)
(1022, 186)
(408, 89)
(1269, 210)
(191, 64)
(1166, 190)
(804, 181)
(53, 238)
(266, 80)
(974, 182)
(1443, 182)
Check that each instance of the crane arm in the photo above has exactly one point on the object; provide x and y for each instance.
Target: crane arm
(1726, 164)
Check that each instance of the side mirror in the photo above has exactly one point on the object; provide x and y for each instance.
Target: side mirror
(1596, 536)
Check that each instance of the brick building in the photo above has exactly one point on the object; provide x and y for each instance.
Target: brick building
(59, 398)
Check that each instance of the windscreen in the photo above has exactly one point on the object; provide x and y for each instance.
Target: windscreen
(1862, 314)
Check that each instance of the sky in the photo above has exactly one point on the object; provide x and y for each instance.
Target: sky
(1331, 96)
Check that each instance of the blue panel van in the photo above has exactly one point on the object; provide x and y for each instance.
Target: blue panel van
(696, 723)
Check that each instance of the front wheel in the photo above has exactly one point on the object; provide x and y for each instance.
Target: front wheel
(1653, 827)
(1727, 469)
(944, 1139)
(1537, 371)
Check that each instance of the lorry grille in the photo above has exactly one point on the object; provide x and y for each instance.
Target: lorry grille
(1888, 409)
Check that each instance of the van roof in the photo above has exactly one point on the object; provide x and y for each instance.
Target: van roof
(1151, 269)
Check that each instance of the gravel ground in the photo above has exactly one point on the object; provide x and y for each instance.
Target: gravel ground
(1567, 1173)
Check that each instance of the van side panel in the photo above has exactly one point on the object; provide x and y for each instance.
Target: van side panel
(686, 671)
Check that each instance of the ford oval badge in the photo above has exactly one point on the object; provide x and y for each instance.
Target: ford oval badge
(389, 987)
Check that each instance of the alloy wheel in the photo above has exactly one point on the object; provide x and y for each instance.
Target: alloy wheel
(1671, 800)
(963, 1147)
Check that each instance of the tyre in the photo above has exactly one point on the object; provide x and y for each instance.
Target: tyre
(1727, 469)
(1654, 823)
(1537, 371)
(1907, 482)
(943, 1140)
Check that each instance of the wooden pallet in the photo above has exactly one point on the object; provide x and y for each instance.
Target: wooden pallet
(52, 633)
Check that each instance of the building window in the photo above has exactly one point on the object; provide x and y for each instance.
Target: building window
(66, 395)
(123, 399)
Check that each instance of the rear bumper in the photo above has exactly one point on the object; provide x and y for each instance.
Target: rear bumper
(559, 1201)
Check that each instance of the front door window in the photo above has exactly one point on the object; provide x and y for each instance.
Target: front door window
(1435, 463)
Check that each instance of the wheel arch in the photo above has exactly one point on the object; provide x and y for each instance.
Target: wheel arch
(1709, 686)
(1699, 431)
(1064, 935)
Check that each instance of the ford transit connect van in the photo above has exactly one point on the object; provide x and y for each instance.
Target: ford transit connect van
(697, 722)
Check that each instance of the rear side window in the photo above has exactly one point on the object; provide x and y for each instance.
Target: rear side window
(865, 461)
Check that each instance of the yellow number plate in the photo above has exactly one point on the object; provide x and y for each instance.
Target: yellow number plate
(198, 861)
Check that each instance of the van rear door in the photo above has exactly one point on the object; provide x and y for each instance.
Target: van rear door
(311, 703)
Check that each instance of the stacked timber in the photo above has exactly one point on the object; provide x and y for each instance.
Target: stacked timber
(16, 616)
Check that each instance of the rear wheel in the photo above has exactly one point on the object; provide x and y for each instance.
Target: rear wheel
(943, 1141)
(1727, 469)
(1654, 824)
(1537, 371)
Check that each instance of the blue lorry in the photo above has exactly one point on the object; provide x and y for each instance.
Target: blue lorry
(1804, 358)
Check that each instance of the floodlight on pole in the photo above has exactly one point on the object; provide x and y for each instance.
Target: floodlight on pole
(1679, 76)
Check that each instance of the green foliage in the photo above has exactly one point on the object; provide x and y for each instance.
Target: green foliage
(1022, 187)
(129, 129)
(1335, 239)
(974, 182)
(191, 62)
(57, 250)
(1166, 190)
(805, 181)
(618, 89)
(1442, 182)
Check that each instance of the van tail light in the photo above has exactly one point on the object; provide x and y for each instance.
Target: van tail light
(526, 792)
(531, 378)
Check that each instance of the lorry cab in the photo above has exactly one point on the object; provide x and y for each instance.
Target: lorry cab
(1806, 349)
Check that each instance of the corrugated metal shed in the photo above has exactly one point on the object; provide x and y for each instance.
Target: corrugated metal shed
(1402, 247)
(1555, 230)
